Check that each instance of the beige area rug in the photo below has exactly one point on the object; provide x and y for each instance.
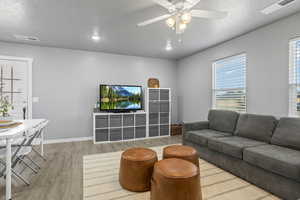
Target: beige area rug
(100, 181)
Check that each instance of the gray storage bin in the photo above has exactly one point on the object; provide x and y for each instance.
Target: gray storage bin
(153, 94)
(128, 133)
(101, 121)
(153, 131)
(164, 107)
(140, 132)
(115, 120)
(164, 130)
(153, 107)
(140, 119)
(153, 118)
(164, 95)
(128, 120)
(115, 134)
(101, 135)
(164, 118)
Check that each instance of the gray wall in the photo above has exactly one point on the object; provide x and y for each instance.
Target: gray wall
(67, 83)
(267, 71)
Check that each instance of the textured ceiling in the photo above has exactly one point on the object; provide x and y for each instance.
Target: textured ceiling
(71, 23)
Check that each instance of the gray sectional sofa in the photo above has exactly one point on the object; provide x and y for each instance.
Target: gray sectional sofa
(258, 148)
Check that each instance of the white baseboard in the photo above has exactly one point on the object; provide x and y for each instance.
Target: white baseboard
(65, 140)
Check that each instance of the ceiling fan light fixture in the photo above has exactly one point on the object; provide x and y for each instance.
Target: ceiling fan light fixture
(170, 22)
(186, 18)
(181, 13)
(182, 26)
(96, 38)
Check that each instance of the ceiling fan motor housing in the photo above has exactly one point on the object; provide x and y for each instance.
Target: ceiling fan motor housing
(175, 1)
(178, 5)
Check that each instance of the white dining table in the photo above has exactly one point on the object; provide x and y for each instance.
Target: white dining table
(13, 133)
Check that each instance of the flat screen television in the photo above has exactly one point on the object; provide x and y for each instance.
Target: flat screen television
(121, 98)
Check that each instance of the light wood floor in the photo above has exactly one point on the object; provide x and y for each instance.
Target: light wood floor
(61, 176)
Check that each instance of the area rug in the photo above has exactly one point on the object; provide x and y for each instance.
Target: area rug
(100, 181)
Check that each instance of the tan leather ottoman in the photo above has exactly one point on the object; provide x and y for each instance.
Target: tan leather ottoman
(182, 152)
(175, 179)
(136, 169)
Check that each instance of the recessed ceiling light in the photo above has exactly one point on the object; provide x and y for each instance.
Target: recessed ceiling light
(96, 37)
(169, 46)
(27, 38)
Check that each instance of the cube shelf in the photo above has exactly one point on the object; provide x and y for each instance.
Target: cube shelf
(159, 111)
(112, 127)
(153, 122)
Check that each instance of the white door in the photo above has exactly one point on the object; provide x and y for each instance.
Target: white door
(15, 85)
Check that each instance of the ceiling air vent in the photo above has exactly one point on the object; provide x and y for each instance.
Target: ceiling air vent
(26, 38)
(276, 6)
(285, 2)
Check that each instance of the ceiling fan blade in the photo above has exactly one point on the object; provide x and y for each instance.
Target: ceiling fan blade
(164, 3)
(207, 14)
(156, 19)
(189, 4)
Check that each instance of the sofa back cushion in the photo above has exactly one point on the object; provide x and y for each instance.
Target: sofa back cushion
(287, 133)
(257, 127)
(222, 120)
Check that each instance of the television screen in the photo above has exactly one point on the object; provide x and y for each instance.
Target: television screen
(120, 97)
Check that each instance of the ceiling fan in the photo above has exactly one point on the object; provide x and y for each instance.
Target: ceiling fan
(181, 13)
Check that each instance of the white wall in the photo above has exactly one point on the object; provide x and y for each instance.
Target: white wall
(267, 71)
(67, 83)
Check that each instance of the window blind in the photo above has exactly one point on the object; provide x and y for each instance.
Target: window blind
(229, 83)
(294, 78)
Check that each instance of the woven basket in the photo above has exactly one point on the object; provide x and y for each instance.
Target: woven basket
(153, 83)
(176, 129)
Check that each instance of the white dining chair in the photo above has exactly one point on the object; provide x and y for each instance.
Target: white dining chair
(21, 148)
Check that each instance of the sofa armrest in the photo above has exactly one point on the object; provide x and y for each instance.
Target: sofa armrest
(195, 126)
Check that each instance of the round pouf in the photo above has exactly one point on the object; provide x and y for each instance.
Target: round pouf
(175, 179)
(182, 152)
(136, 168)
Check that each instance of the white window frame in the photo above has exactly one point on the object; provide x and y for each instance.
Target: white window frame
(292, 99)
(213, 79)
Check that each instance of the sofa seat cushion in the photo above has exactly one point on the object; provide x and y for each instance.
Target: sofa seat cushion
(223, 120)
(232, 146)
(257, 127)
(277, 159)
(287, 133)
(201, 136)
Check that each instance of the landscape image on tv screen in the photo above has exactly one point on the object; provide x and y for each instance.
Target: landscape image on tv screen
(120, 97)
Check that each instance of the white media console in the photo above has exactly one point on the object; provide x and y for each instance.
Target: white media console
(153, 122)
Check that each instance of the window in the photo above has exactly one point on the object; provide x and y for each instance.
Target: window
(229, 83)
(294, 78)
